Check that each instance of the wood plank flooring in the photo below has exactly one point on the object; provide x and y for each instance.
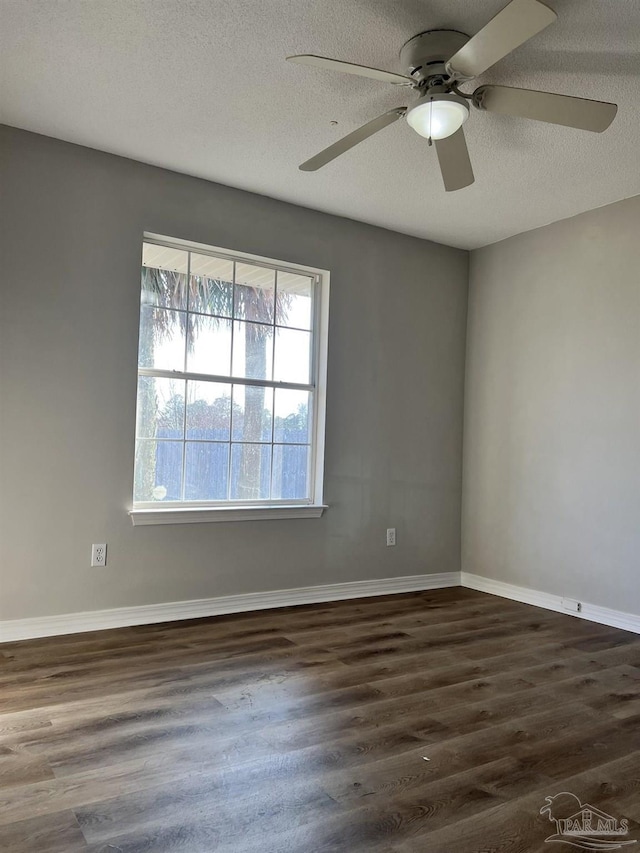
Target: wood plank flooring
(308, 729)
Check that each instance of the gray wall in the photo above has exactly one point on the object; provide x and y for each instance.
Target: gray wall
(552, 417)
(72, 224)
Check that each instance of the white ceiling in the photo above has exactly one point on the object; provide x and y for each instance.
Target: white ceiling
(202, 87)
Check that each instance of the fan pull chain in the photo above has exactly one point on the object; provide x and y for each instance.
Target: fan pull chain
(430, 140)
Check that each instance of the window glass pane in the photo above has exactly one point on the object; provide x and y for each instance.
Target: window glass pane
(209, 345)
(250, 471)
(211, 288)
(206, 471)
(252, 413)
(290, 472)
(293, 356)
(294, 300)
(160, 411)
(164, 276)
(208, 411)
(252, 350)
(291, 424)
(254, 293)
(162, 338)
(165, 258)
(158, 474)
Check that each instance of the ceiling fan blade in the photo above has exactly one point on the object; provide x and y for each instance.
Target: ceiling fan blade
(350, 68)
(455, 165)
(519, 21)
(546, 106)
(352, 139)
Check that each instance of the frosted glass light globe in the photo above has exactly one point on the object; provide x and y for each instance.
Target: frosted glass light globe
(438, 118)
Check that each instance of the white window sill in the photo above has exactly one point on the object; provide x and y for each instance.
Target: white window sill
(199, 515)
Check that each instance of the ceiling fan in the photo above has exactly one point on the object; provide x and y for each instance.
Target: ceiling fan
(437, 61)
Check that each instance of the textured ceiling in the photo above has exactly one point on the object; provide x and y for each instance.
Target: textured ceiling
(202, 87)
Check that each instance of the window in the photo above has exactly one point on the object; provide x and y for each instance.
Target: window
(231, 373)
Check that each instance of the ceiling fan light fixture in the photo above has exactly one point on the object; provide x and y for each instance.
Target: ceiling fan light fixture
(438, 116)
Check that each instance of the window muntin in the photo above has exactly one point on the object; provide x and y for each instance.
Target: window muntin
(227, 380)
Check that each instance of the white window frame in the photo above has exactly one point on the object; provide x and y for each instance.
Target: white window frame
(190, 512)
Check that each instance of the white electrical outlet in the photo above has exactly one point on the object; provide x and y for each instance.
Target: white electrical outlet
(571, 606)
(391, 536)
(99, 555)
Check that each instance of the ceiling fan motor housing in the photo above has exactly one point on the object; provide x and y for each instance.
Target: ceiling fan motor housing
(426, 54)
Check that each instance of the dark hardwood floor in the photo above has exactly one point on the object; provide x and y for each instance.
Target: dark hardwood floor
(434, 722)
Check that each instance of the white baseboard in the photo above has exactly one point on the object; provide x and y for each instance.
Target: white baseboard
(591, 612)
(121, 617)
(96, 620)
(508, 590)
